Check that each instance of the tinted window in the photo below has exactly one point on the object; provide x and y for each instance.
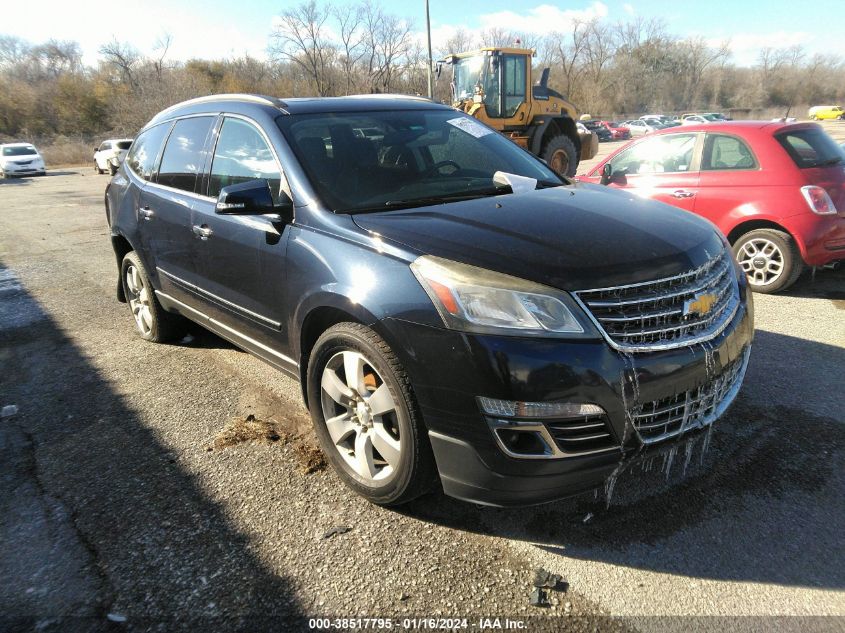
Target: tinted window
(388, 159)
(145, 150)
(726, 152)
(242, 154)
(659, 154)
(124, 144)
(810, 147)
(183, 156)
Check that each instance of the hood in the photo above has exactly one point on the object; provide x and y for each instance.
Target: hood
(575, 237)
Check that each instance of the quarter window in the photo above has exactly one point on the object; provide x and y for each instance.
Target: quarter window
(726, 152)
(242, 154)
(142, 158)
(184, 156)
(660, 154)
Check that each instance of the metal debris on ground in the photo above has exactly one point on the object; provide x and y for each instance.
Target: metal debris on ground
(587, 518)
(403, 596)
(8, 411)
(339, 529)
(546, 579)
(539, 598)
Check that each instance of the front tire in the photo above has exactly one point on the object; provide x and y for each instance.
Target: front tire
(97, 168)
(561, 156)
(366, 417)
(770, 259)
(152, 321)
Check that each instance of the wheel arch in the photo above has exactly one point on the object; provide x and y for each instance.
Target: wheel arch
(121, 247)
(331, 310)
(551, 127)
(751, 225)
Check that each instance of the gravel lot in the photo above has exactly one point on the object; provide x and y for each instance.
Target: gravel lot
(122, 512)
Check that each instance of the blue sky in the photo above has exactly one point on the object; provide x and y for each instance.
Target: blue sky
(220, 28)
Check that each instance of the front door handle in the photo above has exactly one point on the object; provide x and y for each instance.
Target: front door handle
(203, 232)
(682, 193)
(146, 213)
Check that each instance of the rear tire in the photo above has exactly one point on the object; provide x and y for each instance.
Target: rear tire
(560, 155)
(112, 169)
(152, 321)
(366, 417)
(770, 259)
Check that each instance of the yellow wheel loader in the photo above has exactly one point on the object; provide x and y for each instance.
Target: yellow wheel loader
(494, 85)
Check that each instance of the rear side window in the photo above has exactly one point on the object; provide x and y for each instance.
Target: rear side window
(810, 147)
(183, 155)
(725, 153)
(124, 144)
(142, 158)
(241, 155)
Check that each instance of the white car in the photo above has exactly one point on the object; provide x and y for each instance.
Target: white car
(639, 127)
(110, 153)
(20, 159)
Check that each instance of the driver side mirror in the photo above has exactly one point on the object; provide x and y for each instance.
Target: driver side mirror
(608, 175)
(254, 197)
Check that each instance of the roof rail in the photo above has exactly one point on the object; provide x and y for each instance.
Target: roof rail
(254, 98)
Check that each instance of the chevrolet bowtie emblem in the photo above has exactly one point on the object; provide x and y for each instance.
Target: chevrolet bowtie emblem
(700, 304)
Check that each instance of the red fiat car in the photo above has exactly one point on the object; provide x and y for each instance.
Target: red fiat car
(776, 190)
(617, 131)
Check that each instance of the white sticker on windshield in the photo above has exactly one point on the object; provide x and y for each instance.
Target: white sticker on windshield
(470, 126)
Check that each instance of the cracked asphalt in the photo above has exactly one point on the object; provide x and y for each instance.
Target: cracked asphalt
(120, 512)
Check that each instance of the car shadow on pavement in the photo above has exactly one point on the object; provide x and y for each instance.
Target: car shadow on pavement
(762, 504)
(99, 522)
(823, 284)
(22, 181)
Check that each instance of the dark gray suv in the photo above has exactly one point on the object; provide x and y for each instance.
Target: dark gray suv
(456, 313)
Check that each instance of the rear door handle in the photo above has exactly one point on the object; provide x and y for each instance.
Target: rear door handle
(203, 232)
(682, 193)
(146, 213)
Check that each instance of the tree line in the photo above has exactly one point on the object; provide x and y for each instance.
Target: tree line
(317, 48)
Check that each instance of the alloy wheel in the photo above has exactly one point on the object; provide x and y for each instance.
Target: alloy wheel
(361, 417)
(139, 300)
(762, 261)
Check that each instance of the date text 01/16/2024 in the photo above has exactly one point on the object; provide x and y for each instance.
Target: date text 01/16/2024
(410, 624)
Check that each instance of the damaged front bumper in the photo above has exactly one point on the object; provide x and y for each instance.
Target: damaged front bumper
(637, 401)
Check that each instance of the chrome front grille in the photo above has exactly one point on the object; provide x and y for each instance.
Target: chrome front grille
(661, 419)
(666, 313)
(589, 434)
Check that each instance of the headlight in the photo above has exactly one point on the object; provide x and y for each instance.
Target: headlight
(477, 300)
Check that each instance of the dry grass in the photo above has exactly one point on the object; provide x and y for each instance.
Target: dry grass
(249, 429)
(63, 152)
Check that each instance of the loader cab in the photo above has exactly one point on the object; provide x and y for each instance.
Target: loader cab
(497, 78)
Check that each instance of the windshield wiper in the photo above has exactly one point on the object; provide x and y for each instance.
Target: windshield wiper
(451, 197)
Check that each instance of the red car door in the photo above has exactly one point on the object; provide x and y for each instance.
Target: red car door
(663, 168)
(731, 183)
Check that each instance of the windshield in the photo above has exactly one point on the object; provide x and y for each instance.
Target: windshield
(379, 160)
(810, 147)
(19, 151)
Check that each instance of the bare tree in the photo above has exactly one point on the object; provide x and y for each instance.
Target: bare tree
(161, 46)
(124, 58)
(352, 38)
(301, 37)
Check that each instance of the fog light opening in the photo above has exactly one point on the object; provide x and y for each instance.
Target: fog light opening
(522, 442)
